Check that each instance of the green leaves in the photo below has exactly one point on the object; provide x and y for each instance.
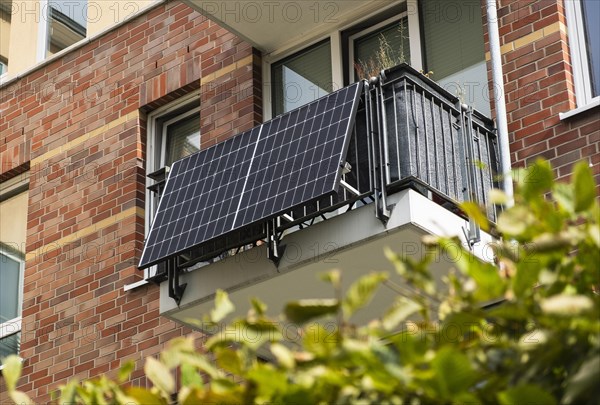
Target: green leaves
(516, 221)
(223, 306)
(160, 375)
(125, 371)
(525, 394)
(475, 212)
(306, 310)
(490, 285)
(537, 343)
(11, 371)
(453, 374)
(584, 384)
(399, 312)
(536, 180)
(584, 187)
(567, 305)
(360, 292)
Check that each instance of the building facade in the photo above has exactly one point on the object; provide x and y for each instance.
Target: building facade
(98, 98)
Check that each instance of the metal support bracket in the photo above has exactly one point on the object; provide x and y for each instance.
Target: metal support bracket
(274, 248)
(473, 233)
(175, 289)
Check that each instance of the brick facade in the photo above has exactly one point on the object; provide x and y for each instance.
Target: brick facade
(78, 124)
(538, 80)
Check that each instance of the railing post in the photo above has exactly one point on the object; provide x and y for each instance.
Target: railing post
(466, 113)
(379, 183)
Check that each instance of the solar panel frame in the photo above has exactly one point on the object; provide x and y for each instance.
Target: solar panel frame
(291, 160)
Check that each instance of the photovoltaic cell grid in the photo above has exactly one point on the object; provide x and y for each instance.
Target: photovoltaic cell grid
(283, 163)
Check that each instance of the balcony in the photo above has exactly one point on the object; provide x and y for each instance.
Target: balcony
(415, 152)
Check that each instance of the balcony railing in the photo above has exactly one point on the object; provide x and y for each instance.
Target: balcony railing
(433, 142)
(409, 133)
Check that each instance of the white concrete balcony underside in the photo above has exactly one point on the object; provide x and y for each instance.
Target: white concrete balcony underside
(292, 21)
(353, 242)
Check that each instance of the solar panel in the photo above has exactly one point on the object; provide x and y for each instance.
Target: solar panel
(288, 161)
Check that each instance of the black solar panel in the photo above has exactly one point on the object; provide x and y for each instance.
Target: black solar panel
(283, 163)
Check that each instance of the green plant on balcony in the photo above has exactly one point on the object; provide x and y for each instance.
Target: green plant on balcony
(385, 56)
(538, 344)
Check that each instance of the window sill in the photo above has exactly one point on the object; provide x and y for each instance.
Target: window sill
(592, 104)
(135, 285)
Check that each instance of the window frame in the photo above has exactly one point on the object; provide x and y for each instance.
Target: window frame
(4, 63)
(9, 189)
(579, 56)
(369, 30)
(44, 35)
(156, 147)
(21, 260)
(327, 39)
(164, 133)
(338, 62)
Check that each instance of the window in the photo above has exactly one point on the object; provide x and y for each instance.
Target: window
(180, 136)
(173, 133)
(5, 17)
(11, 280)
(13, 228)
(64, 24)
(583, 17)
(301, 78)
(432, 35)
(388, 40)
(454, 49)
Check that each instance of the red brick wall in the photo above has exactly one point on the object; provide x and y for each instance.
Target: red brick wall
(78, 122)
(539, 85)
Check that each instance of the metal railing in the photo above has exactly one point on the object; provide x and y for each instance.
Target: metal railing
(425, 138)
(408, 133)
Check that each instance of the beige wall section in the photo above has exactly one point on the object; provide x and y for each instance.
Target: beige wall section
(102, 14)
(13, 221)
(4, 33)
(23, 34)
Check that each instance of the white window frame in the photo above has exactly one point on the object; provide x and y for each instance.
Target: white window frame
(579, 58)
(5, 73)
(13, 326)
(337, 60)
(11, 188)
(43, 34)
(156, 144)
(389, 21)
(164, 135)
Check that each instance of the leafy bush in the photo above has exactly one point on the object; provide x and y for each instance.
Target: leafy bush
(537, 343)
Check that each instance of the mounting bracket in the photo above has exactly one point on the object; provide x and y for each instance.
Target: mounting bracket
(175, 289)
(274, 248)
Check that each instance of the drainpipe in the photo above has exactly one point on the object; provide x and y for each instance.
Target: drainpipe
(497, 79)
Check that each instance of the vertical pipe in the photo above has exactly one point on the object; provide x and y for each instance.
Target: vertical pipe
(496, 58)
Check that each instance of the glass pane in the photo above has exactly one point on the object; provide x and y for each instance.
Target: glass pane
(10, 278)
(453, 34)
(454, 49)
(183, 138)
(10, 345)
(381, 49)
(301, 78)
(591, 12)
(67, 24)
